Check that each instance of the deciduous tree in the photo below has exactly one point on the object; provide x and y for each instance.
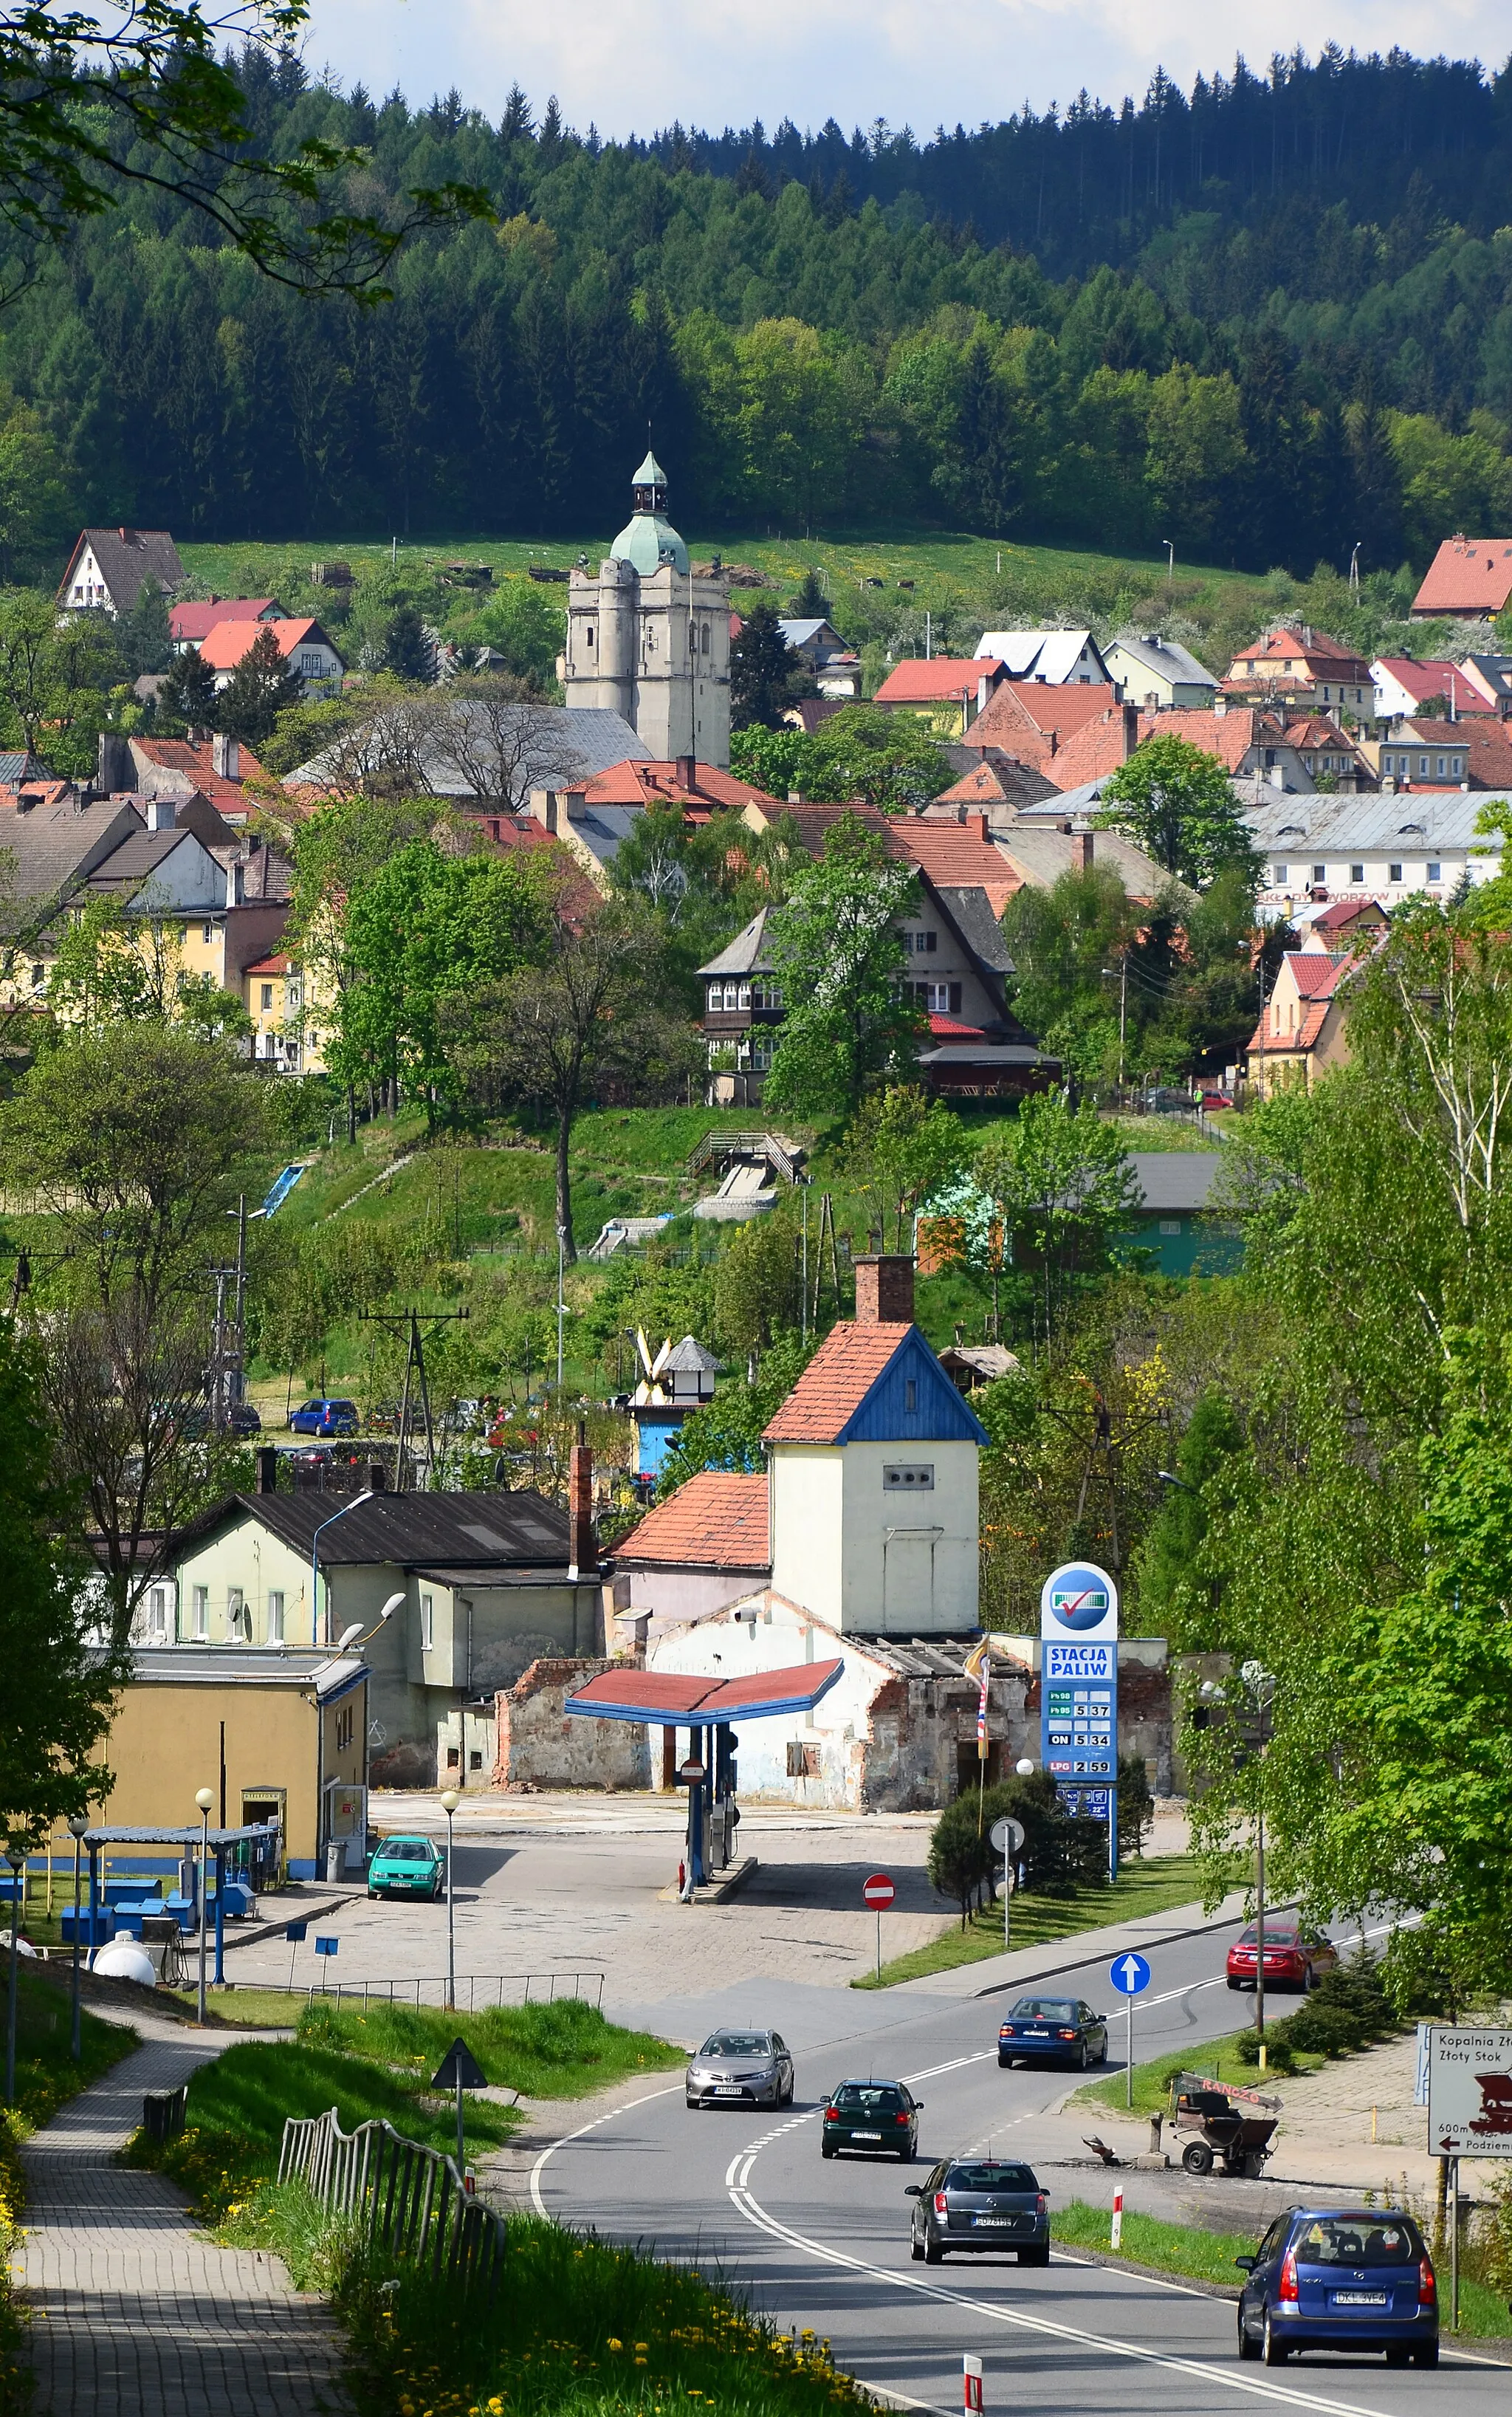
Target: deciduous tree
(840, 960)
(1177, 803)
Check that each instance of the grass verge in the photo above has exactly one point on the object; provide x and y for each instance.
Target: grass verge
(580, 2329)
(1218, 2058)
(1143, 1888)
(560, 2050)
(1204, 2257)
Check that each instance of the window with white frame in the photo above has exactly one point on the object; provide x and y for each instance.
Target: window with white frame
(236, 1627)
(1356, 872)
(1435, 870)
(1319, 874)
(274, 1618)
(1394, 872)
(935, 995)
(199, 1610)
(428, 1623)
(160, 1612)
(766, 994)
(1279, 874)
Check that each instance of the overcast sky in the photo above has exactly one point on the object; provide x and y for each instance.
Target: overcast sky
(632, 66)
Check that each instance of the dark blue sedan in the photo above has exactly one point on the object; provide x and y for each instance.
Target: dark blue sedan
(1331, 2278)
(1053, 2031)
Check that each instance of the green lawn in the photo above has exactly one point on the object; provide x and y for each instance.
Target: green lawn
(560, 2050)
(1143, 1887)
(46, 2075)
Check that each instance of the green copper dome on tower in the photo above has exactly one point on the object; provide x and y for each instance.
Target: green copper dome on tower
(648, 539)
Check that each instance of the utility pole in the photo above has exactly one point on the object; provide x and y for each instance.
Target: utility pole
(407, 1322)
(561, 1305)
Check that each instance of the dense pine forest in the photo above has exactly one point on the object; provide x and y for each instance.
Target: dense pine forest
(1267, 321)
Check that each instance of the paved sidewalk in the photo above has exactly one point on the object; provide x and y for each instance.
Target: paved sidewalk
(136, 2315)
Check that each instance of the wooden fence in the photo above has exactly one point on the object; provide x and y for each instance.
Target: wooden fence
(410, 2199)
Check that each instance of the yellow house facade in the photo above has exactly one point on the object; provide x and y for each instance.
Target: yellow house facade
(289, 1729)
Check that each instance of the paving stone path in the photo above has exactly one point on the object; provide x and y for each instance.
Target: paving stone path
(134, 2314)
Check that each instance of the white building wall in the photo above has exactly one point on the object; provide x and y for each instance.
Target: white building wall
(909, 1558)
(808, 1483)
(767, 1633)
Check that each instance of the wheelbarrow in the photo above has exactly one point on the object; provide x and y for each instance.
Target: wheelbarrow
(1237, 2137)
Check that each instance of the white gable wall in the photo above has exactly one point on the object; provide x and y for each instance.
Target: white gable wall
(872, 1560)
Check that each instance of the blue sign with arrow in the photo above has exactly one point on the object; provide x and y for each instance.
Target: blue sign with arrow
(1129, 1975)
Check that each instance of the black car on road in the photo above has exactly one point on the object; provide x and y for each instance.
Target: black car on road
(880, 2118)
(977, 2203)
(1053, 2031)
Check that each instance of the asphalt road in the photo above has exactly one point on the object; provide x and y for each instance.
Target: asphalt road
(745, 2194)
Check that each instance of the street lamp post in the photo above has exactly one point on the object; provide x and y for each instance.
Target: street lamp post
(78, 1826)
(449, 1801)
(16, 1858)
(203, 1800)
(356, 1504)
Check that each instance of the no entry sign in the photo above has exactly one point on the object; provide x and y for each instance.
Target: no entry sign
(879, 1892)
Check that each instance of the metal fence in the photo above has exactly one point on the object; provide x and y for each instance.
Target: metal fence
(412, 2200)
(474, 1990)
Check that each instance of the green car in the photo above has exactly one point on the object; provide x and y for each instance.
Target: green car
(407, 1867)
(880, 2118)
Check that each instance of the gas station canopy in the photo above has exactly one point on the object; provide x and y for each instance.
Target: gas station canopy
(676, 1700)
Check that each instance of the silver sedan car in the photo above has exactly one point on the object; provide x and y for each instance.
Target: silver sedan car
(741, 2069)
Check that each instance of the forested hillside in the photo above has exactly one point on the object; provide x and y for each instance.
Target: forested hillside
(1265, 322)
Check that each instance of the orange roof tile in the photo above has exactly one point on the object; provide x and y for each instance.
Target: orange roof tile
(940, 679)
(1020, 713)
(662, 783)
(189, 623)
(717, 1520)
(226, 643)
(836, 1382)
(1097, 748)
(1468, 575)
(270, 965)
(959, 855)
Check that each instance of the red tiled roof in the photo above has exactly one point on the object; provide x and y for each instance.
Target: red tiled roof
(1468, 575)
(1488, 746)
(196, 759)
(1345, 910)
(226, 645)
(1423, 680)
(1097, 748)
(941, 678)
(717, 1520)
(1316, 976)
(271, 965)
(836, 1382)
(189, 623)
(1316, 651)
(1023, 716)
(660, 783)
(959, 855)
(949, 1028)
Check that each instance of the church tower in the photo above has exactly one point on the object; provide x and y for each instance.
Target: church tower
(648, 637)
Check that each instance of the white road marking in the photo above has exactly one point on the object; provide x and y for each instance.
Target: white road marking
(751, 2208)
(549, 2151)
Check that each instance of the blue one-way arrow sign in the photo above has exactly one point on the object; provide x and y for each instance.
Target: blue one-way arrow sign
(1129, 1974)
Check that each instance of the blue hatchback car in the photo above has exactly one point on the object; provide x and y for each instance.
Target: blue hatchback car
(1341, 2278)
(325, 1417)
(1053, 2031)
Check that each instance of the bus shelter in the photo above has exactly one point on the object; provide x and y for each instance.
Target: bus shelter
(680, 1700)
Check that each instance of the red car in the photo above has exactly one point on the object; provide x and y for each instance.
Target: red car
(1294, 1959)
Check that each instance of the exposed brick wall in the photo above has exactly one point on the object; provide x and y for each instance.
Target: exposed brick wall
(542, 1745)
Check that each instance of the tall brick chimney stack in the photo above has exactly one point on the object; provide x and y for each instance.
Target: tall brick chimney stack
(1082, 845)
(1131, 729)
(583, 1549)
(884, 1289)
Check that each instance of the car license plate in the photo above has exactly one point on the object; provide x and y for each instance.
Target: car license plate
(866, 2136)
(1003, 2223)
(1036, 2034)
(728, 2089)
(1361, 2300)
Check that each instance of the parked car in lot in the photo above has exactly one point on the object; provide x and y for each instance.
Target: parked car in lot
(880, 2118)
(1331, 2278)
(741, 2069)
(243, 1419)
(1294, 1959)
(327, 1416)
(976, 2203)
(407, 1867)
(1053, 2031)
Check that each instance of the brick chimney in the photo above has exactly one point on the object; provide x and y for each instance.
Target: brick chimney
(225, 755)
(267, 1458)
(377, 1477)
(688, 774)
(1131, 729)
(978, 823)
(1083, 843)
(582, 1548)
(884, 1289)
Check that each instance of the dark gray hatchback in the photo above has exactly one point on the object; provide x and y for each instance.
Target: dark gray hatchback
(977, 2203)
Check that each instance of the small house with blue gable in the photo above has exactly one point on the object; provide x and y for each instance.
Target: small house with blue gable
(873, 1476)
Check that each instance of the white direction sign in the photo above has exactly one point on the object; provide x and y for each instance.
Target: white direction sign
(1469, 2093)
(1129, 1975)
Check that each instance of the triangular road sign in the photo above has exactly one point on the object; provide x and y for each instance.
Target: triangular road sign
(458, 2069)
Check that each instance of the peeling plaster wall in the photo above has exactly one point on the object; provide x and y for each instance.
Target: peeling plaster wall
(540, 1745)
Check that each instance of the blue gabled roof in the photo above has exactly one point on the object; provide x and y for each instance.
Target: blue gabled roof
(940, 1414)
